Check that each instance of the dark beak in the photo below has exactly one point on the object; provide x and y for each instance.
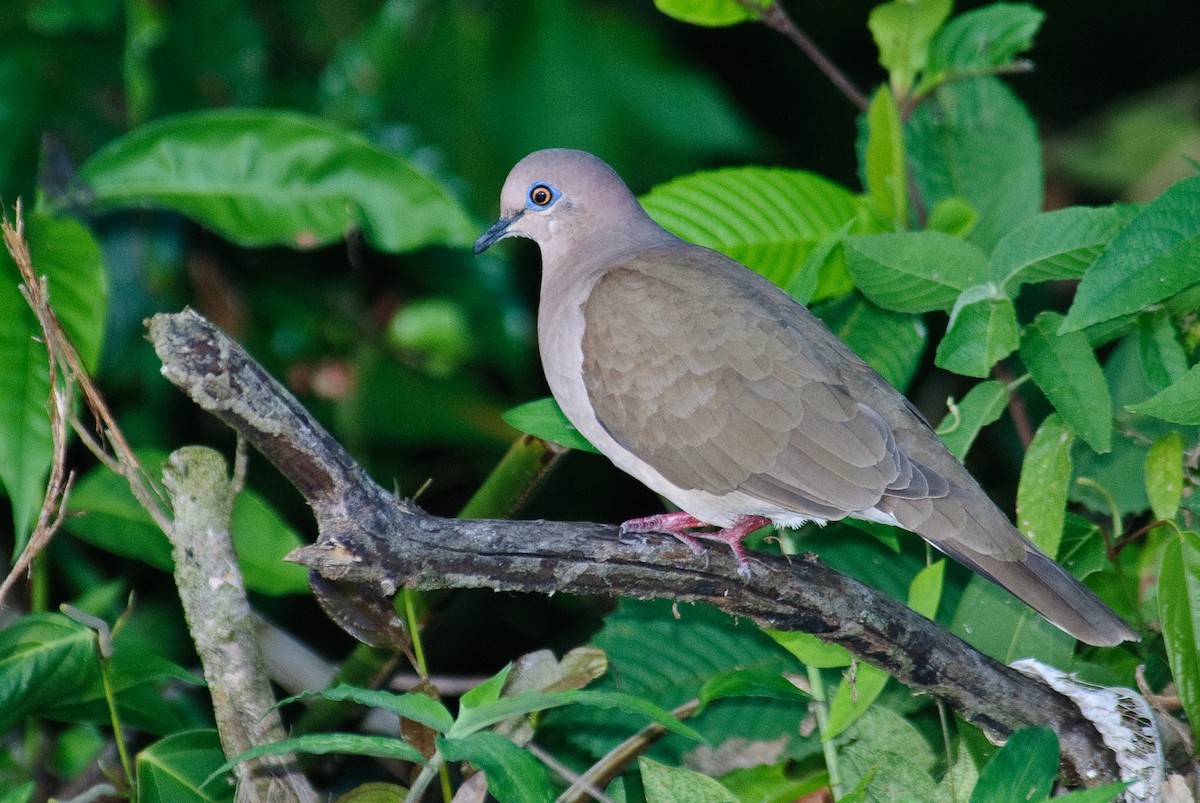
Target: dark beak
(496, 232)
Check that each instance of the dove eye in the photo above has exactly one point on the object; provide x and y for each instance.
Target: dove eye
(541, 196)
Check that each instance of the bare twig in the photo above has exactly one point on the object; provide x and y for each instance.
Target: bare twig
(776, 18)
(58, 406)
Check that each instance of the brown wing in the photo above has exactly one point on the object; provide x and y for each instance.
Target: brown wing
(689, 370)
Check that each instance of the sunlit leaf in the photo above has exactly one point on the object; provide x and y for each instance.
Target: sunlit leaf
(886, 174)
(711, 13)
(769, 219)
(914, 271)
(544, 419)
(1178, 403)
(983, 330)
(1061, 244)
(663, 784)
(903, 30)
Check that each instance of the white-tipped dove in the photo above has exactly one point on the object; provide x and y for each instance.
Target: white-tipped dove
(723, 394)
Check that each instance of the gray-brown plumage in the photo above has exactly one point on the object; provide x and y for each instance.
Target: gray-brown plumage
(720, 392)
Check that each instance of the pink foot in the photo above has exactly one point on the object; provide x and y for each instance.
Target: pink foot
(676, 523)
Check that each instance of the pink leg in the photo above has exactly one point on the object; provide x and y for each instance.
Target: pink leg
(676, 523)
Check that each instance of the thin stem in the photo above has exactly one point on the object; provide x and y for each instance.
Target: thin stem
(821, 709)
(424, 778)
(1016, 405)
(775, 17)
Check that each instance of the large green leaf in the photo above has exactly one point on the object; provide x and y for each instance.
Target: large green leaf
(415, 706)
(914, 271)
(1153, 258)
(48, 668)
(982, 39)
(1179, 613)
(1065, 368)
(268, 177)
(975, 140)
(66, 254)
(983, 330)
(890, 342)
(1061, 244)
(769, 219)
(885, 752)
(1045, 480)
(1178, 403)
(175, 768)
(1024, 770)
(982, 405)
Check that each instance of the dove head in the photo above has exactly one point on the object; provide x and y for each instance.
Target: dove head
(562, 199)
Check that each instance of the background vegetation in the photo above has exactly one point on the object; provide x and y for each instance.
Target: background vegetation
(310, 175)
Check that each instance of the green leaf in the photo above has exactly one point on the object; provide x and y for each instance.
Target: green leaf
(769, 219)
(953, 216)
(1045, 480)
(1065, 368)
(811, 650)
(959, 780)
(1178, 403)
(663, 784)
(1082, 550)
(854, 698)
(544, 419)
(982, 405)
(178, 769)
(998, 624)
(48, 668)
(44, 658)
(1151, 259)
(320, 744)
(890, 342)
(66, 254)
(887, 178)
(711, 13)
(982, 39)
(886, 750)
(417, 707)
(21, 793)
(486, 693)
(975, 140)
(1061, 244)
(749, 683)
(1164, 475)
(925, 591)
(1163, 358)
(513, 774)
(1023, 770)
(914, 271)
(266, 177)
(903, 30)
(1179, 612)
(983, 330)
(476, 717)
(1097, 794)
(663, 654)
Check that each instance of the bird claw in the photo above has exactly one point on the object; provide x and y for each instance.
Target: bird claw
(677, 524)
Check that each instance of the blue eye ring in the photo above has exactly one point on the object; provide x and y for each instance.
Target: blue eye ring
(541, 196)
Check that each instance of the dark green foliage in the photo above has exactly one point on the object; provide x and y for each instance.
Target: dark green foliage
(310, 174)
